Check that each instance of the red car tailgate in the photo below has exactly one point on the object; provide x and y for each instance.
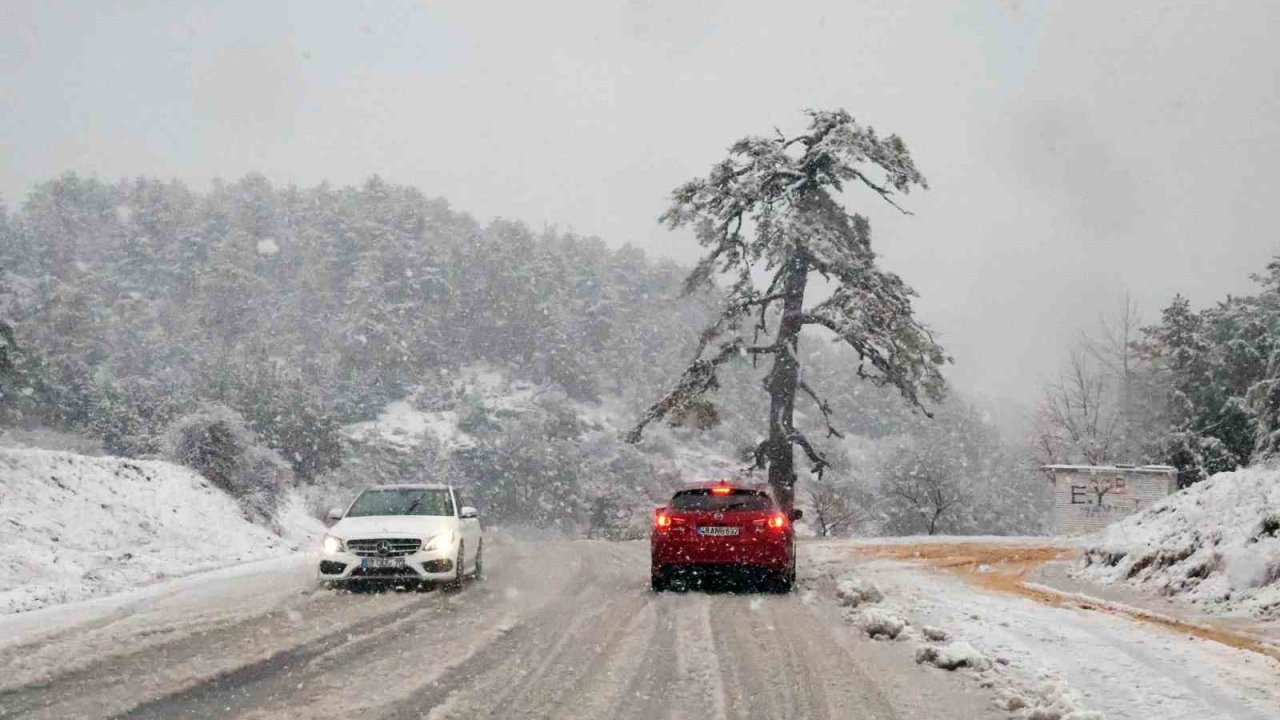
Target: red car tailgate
(731, 536)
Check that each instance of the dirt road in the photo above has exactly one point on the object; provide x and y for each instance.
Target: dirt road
(557, 630)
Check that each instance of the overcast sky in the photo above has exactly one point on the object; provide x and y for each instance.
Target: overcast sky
(1074, 150)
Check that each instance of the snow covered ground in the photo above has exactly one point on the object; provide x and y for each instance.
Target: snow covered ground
(74, 527)
(1047, 661)
(1216, 544)
(558, 629)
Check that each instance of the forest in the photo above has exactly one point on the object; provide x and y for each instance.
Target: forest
(1196, 389)
(155, 320)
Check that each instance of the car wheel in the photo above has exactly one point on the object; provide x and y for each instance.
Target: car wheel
(783, 581)
(657, 581)
(477, 570)
(458, 574)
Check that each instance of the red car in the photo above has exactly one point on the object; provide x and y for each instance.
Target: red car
(723, 526)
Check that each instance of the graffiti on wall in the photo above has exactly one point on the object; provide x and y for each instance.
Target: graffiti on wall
(1102, 496)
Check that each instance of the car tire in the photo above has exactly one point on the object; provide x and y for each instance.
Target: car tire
(784, 581)
(657, 581)
(477, 569)
(458, 572)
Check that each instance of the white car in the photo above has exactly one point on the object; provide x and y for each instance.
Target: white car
(398, 533)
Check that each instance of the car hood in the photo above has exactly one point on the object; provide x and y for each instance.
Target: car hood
(372, 526)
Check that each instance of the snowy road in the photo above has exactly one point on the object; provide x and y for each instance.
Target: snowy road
(558, 630)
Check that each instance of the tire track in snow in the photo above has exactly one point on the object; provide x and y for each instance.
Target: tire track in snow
(544, 665)
(115, 684)
(320, 683)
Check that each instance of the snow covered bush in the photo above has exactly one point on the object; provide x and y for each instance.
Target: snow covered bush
(215, 442)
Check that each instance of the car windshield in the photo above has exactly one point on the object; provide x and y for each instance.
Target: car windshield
(737, 499)
(402, 501)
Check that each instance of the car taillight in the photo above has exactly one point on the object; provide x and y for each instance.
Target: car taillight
(777, 521)
(662, 520)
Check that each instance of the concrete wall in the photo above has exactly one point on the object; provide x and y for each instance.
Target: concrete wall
(1087, 499)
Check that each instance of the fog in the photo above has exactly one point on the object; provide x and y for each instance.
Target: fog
(1075, 151)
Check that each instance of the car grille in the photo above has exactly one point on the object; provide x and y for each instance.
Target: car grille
(384, 547)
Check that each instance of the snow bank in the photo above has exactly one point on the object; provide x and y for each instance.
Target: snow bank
(1216, 543)
(74, 527)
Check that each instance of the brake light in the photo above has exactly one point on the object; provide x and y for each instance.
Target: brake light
(777, 521)
(721, 490)
(662, 520)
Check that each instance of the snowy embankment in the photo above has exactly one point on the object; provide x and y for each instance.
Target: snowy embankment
(1041, 660)
(1216, 544)
(74, 527)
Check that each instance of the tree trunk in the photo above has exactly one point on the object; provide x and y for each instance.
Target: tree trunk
(782, 382)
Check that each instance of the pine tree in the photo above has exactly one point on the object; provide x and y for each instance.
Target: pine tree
(1264, 401)
(770, 209)
(1263, 398)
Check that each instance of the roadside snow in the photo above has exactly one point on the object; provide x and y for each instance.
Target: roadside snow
(1216, 543)
(853, 591)
(1043, 662)
(954, 655)
(882, 623)
(75, 527)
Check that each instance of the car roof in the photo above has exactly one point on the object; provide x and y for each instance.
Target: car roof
(411, 486)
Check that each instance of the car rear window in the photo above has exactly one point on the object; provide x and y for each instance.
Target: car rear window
(736, 500)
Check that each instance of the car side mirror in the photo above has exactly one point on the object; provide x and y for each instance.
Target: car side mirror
(796, 514)
(468, 512)
(334, 515)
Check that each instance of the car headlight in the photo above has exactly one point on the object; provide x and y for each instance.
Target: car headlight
(333, 544)
(438, 542)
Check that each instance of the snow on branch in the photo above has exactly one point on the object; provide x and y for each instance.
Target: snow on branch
(698, 379)
(825, 407)
(770, 207)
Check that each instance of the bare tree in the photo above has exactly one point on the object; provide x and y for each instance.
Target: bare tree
(1104, 406)
(1115, 346)
(921, 483)
(835, 509)
(1114, 343)
(1079, 420)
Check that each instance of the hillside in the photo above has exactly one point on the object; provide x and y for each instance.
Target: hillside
(532, 458)
(76, 527)
(1216, 544)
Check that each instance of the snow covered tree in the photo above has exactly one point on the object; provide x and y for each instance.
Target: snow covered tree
(1264, 401)
(214, 441)
(770, 210)
(1214, 364)
(1263, 398)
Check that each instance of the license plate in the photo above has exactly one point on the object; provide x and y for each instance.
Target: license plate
(717, 530)
(381, 562)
